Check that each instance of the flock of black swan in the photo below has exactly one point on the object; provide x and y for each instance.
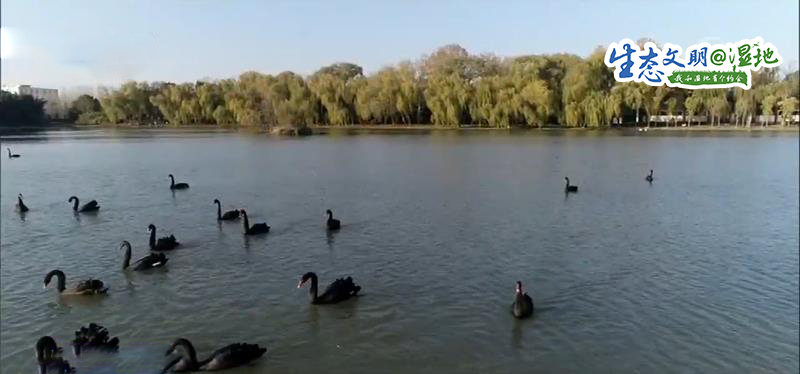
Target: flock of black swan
(95, 337)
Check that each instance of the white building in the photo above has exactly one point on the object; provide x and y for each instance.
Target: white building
(46, 94)
(52, 106)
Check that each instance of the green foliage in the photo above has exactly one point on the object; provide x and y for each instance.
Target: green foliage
(131, 103)
(788, 108)
(448, 88)
(20, 109)
(336, 86)
(92, 118)
(82, 105)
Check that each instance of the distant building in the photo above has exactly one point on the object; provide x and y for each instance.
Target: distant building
(47, 94)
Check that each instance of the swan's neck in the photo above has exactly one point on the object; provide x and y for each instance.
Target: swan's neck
(62, 281)
(153, 238)
(75, 205)
(172, 181)
(189, 350)
(330, 216)
(127, 261)
(219, 211)
(567, 182)
(313, 290)
(9, 152)
(246, 222)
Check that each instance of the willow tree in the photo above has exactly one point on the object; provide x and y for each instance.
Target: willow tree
(448, 98)
(788, 106)
(672, 108)
(718, 107)
(768, 104)
(334, 86)
(580, 83)
(694, 104)
(595, 109)
(291, 100)
(377, 97)
(745, 106)
(448, 76)
(656, 98)
(614, 103)
(211, 97)
(410, 98)
(244, 101)
(131, 103)
(551, 69)
(533, 98)
(178, 104)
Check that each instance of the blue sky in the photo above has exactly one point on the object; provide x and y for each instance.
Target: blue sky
(84, 43)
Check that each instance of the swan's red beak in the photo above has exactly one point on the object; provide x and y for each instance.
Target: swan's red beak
(301, 283)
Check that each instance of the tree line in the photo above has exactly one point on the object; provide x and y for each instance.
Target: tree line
(20, 109)
(449, 88)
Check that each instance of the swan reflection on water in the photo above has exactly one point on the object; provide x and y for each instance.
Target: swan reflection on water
(330, 237)
(516, 334)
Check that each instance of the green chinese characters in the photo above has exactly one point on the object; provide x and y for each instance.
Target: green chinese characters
(708, 78)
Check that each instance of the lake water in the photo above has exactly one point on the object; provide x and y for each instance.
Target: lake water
(696, 273)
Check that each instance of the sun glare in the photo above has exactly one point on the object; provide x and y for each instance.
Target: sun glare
(6, 44)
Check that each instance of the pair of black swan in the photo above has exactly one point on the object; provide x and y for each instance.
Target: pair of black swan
(177, 186)
(229, 215)
(569, 187)
(523, 304)
(339, 290)
(94, 338)
(166, 243)
(12, 155)
(257, 228)
(227, 357)
(151, 261)
(88, 207)
(21, 207)
(86, 287)
(49, 357)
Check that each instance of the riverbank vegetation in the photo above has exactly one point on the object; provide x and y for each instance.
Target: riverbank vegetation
(449, 88)
(18, 110)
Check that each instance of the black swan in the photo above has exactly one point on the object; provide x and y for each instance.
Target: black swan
(333, 223)
(150, 261)
(570, 188)
(48, 355)
(649, 178)
(229, 215)
(94, 338)
(12, 155)
(20, 205)
(88, 207)
(177, 186)
(163, 244)
(339, 290)
(523, 304)
(86, 287)
(227, 357)
(257, 228)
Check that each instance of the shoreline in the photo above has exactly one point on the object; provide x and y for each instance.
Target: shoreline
(412, 128)
(393, 129)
